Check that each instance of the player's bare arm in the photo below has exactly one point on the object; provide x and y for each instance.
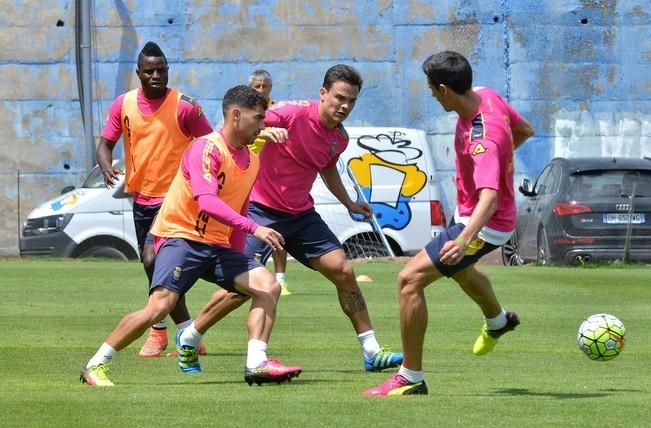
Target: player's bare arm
(275, 135)
(333, 182)
(454, 250)
(104, 157)
(521, 132)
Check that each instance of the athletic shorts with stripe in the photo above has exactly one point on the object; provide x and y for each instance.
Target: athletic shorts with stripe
(181, 262)
(476, 250)
(306, 234)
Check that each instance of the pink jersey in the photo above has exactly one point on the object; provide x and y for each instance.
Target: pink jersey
(484, 148)
(288, 170)
(191, 165)
(204, 173)
(190, 117)
(195, 158)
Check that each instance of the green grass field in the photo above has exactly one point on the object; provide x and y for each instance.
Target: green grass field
(55, 313)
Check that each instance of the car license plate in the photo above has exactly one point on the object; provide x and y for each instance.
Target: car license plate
(623, 218)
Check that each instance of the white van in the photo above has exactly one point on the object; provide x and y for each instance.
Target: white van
(395, 172)
(393, 168)
(91, 221)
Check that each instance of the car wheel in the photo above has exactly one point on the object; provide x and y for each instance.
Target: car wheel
(510, 252)
(104, 252)
(543, 248)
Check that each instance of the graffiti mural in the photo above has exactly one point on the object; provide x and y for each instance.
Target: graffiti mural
(388, 176)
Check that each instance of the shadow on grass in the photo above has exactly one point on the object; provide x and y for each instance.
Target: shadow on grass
(299, 381)
(556, 395)
(216, 354)
(303, 293)
(343, 371)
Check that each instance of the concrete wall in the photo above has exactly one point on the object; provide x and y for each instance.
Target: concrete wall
(577, 69)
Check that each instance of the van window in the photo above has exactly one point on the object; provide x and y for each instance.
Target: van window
(95, 179)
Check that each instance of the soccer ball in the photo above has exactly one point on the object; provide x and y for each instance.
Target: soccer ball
(601, 337)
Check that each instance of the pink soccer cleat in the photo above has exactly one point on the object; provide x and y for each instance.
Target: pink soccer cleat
(397, 385)
(270, 371)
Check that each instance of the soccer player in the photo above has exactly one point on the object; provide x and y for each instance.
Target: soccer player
(488, 130)
(200, 232)
(260, 80)
(281, 199)
(157, 124)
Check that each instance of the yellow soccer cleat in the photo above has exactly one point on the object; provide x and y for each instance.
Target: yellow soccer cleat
(488, 338)
(284, 291)
(95, 375)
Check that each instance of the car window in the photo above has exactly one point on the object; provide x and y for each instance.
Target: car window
(95, 179)
(554, 180)
(638, 182)
(541, 184)
(610, 183)
(580, 186)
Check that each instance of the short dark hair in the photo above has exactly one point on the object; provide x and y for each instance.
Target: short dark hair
(243, 96)
(151, 49)
(342, 72)
(450, 69)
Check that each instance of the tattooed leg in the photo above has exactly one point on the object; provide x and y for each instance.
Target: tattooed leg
(352, 302)
(339, 271)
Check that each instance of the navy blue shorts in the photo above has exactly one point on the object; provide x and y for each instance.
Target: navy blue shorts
(306, 234)
(181, 262)
(143, 219)
(475, 251)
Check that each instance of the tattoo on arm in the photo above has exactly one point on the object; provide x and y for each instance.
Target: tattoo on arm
(353, 302)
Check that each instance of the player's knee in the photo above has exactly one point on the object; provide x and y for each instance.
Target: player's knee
(160, 303)
(275, 290)
(266, 287)
(344, 273)
(272, 288)
(403, 279)
(410, 282)
(157, 312)
(407, 276)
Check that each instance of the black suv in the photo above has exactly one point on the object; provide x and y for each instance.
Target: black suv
(584, 209)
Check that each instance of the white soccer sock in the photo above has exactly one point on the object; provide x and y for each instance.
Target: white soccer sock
(412, 376)
(184, 324)
(190, 336)
(369, 343)
(280, 277)
(104, 355)
(497, 322)
(161, 325)
(256, 353)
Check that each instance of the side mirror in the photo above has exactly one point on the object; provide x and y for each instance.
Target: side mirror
(525, 187)
(67, 189)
